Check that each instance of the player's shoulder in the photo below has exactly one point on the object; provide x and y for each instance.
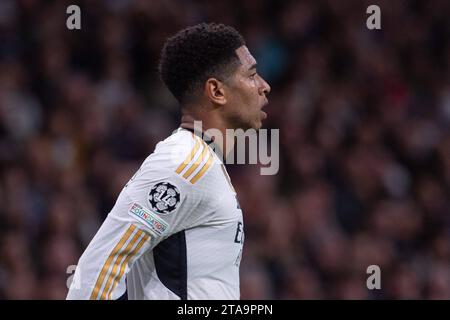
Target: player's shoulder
(184, 154)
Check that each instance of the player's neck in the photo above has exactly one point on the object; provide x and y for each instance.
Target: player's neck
(210, 122)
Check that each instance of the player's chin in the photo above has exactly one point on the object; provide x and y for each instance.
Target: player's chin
(257, 125)
(259, 121)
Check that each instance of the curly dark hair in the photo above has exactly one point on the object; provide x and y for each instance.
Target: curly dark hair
(197, 53)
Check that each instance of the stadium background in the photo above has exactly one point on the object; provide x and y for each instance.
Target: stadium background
(364, 139)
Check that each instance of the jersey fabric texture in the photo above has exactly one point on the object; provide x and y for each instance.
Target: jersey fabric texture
(175, 231)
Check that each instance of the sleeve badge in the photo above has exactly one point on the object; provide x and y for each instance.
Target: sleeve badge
(164, 198)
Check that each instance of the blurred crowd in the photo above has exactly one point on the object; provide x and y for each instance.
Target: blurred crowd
(364, 119)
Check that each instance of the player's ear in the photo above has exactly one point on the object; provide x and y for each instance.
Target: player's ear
(214, 91)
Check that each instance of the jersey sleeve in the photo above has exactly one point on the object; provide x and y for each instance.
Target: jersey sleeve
(161, 199)
(109, 256)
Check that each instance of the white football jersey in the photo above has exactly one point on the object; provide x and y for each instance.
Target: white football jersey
(175, 232)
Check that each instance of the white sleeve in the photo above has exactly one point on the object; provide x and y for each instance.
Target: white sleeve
(155, 203)
(107, 259)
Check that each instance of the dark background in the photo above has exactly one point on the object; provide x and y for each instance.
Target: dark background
(364, 139)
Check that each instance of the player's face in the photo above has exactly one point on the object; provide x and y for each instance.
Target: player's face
(248, 92)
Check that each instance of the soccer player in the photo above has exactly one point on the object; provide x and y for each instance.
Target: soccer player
(176, 230)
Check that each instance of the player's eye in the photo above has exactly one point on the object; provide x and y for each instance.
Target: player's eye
(252, 76)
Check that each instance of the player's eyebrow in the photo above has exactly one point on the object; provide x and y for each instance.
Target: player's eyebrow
(253, 66)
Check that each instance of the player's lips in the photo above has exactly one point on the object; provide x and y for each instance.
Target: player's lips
(263, 115)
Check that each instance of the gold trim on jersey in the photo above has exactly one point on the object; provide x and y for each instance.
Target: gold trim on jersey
(202, 161)
(143, 239)
(204, 168)
(121, 257)
(196, 163)
(190, 156)
(110, 259)
(122, 254)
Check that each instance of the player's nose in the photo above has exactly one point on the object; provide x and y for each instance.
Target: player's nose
(264, 88)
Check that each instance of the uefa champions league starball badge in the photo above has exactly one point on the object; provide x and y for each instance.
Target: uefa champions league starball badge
(164, 197)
